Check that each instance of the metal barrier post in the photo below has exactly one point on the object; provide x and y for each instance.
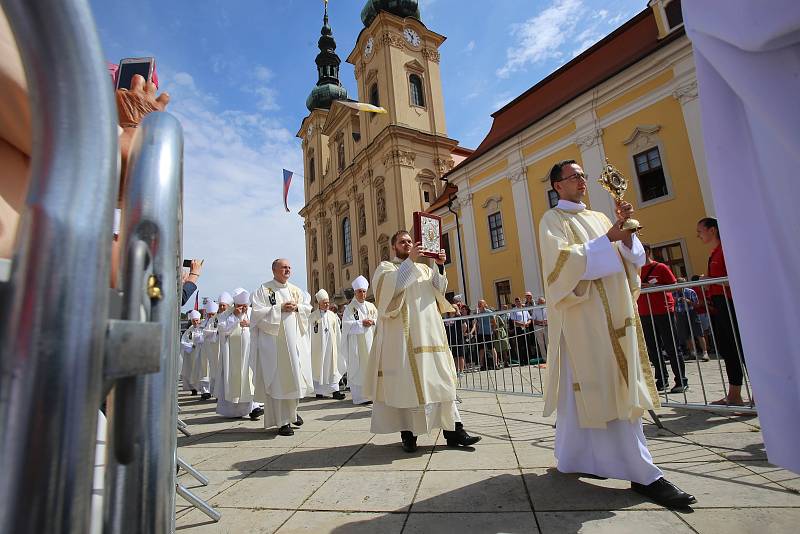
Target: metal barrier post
(51, 356)
(140, 474)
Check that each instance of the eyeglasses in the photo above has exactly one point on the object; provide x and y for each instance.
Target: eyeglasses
(577, 175)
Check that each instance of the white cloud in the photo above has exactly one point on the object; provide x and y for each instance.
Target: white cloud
(541, 37)
(470, 46)
(233, 205)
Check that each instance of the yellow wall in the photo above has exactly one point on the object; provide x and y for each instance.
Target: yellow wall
(635, 93)
(491, 171)
(547, 140)
(503, 263)
(675, 218)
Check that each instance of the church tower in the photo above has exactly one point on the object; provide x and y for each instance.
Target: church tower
(367, 173)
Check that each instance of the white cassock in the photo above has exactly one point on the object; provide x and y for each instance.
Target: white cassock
(191, 343)
(748, 71)
(234, 380)
(209, 352)
(356, 344)
(602, 383)
(411, 376)
(327, 364)
(279, 352)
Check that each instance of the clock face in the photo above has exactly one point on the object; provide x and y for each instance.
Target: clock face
(411, 37)
(369, 47)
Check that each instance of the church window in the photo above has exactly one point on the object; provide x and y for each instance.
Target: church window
(503, 290)
(374, 96)
(650, 173)
(312, 171)
(672, 255)
(496, 233)
(674, 14)
(347, 244)
(417, 93)
(340, 154)
(426, 196)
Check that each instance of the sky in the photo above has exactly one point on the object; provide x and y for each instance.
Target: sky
(239, 71)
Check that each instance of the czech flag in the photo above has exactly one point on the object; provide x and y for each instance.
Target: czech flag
(287, 181)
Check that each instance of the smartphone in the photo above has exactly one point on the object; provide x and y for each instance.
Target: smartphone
(128, 67)
(187, 263)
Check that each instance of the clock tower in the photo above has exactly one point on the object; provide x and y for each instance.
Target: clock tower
(367, 173)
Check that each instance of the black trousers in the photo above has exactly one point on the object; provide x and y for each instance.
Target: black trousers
(726, 336)
(658, 332)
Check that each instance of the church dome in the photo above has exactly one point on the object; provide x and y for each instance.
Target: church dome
(401, 8)
(322, 96)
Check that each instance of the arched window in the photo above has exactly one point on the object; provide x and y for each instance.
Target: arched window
(417, 94)
(340, 154)
(374, 96)
(312, 170)
(347, 244)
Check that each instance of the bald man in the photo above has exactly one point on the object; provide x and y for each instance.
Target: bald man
(278, 350)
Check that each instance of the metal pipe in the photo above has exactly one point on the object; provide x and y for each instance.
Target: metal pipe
(141, 494)
(192, 471)
(51, 358)
(198, 503)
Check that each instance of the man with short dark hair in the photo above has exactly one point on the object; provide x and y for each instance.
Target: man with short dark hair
(599, 377)
(411, 375)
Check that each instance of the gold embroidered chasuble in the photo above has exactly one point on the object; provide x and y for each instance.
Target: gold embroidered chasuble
(598, 321)
(410, 363)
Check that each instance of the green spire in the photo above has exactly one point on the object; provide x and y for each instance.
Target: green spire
(328, 88)
(401, 8)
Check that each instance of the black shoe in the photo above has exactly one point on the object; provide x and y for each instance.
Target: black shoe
(409, 441)
(368, 403)
(299, 421)
(205, 396)
(256, 413)
(194, 392)
(459, 437)
(679, 388)
(285, 430)
(338, 395)
(664, 493)
(320, 396)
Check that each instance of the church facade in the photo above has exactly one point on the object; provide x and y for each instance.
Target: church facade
(632, 99)
(366, 173)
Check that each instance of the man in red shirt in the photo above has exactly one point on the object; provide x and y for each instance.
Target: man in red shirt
(657, 311)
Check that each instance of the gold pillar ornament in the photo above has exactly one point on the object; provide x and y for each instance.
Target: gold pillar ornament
(616, 184)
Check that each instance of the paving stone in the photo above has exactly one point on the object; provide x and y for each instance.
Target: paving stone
(218, 481)
(495, 456)
(474, 523)
(472, 491)
(531, 454)
(555, 491)
(423, 440)
(343, 523)
(334, 438)
(776, 474)
(242, 459)
(385, 491)
(612, 522)
(272, 489)
(390, 458)
(233, 521)
(736, 446)
(326, 458)
(745, 521)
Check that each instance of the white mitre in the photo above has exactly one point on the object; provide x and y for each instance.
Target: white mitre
(241, 297)
(360, 283)
(194, 315)
(322, 295)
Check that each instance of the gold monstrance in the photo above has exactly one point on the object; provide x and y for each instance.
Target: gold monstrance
(616, 184)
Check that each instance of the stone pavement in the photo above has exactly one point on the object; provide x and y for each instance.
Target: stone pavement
(335, 476)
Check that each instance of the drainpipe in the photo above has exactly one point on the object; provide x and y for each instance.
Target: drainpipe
(450, 200)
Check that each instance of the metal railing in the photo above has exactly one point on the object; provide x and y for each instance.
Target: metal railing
(697, 347)
(51, 357)
(140, 471)
(496, 351)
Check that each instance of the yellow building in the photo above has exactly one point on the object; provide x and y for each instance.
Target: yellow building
(365, 174)
(631, 98)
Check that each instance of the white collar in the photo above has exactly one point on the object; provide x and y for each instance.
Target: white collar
(566, 205)
(279, 284)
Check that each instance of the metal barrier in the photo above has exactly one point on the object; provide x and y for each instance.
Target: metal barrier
(512, 360)
(695, 341)
(51, 357)
(499, 351)
(140, 473)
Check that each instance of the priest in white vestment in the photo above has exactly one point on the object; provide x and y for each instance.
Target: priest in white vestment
(234, 381)
(411, 376)
(599, 376)
(191, 344)
(203, 373)
(358, 329)
(747, 57)
(279, 352)
(327, 363)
